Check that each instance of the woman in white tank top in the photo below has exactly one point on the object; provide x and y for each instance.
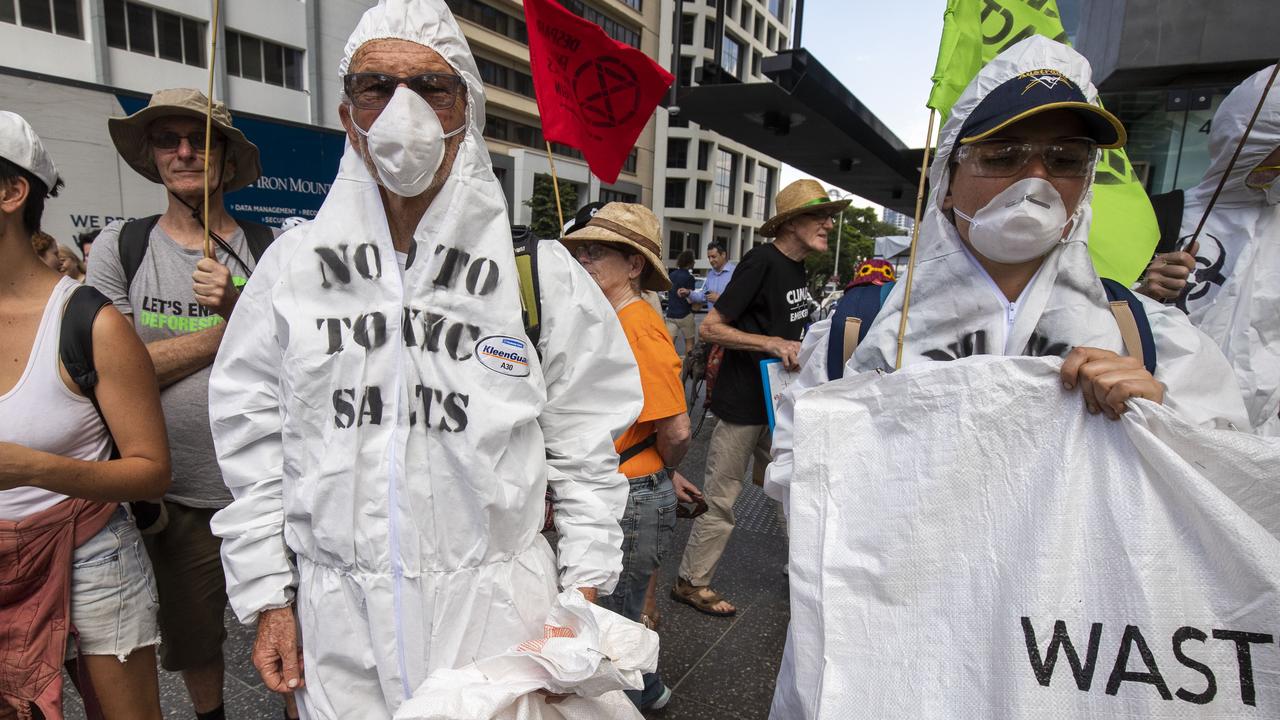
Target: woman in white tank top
(54, 448)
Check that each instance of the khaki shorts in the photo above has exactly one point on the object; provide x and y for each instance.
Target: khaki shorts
(187, 559)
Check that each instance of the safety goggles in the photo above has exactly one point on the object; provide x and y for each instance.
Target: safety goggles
(996, 158)
(1263, 176)
(165, 140)
(372, 91)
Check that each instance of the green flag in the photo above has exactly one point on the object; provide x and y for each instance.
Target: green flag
(1124, 231)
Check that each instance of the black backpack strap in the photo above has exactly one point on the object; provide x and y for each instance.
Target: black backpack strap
(135, 238)
(257, 236)
(1117, 293)
(857, 308)
(1168, 207)
(525, 245)
(75, 343)
(638, 448)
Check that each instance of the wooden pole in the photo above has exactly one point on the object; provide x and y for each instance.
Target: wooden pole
(555, 185)
(915, 238)
(208, 130)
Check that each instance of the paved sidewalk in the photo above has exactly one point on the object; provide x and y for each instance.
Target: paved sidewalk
(718, 668)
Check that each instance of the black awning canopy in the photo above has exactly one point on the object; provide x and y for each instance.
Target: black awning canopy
(809, 120)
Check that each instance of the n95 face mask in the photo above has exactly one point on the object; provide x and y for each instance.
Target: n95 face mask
(406, 143)
(1022, 223)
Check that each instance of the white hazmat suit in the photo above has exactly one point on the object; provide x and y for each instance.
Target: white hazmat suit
(1234, 293)
(957, 311)
(388, 434)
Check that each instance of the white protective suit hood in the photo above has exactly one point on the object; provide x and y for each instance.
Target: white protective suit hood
(1234, 296)
(387, 421)
(957, 311)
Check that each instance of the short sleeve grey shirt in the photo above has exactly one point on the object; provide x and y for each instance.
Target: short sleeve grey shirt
(162, 305)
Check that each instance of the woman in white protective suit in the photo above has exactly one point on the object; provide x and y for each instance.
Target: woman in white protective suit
(1009, 182)
(1229, 282)
(384, 422)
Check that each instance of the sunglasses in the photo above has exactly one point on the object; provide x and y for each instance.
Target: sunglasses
(372, 91)
(172, 140)
(594, 251)
(1070, 158)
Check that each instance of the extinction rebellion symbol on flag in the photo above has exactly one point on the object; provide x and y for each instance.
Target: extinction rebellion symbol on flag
(608, 92)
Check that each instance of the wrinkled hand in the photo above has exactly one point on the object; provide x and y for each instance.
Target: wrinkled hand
(276, 653)
(686, 492)
(214, 287)
(683, 292)
(1107, 380)
(788, 351)
(1167, 274)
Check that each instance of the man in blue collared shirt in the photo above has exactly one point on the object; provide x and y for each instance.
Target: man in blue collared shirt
(717, 278)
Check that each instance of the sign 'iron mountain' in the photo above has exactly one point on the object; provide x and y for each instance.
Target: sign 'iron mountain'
(594, 93)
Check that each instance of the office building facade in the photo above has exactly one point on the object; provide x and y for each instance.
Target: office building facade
(707, 187)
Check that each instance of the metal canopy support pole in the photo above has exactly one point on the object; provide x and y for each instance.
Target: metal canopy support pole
(677, 39)
(799, 23)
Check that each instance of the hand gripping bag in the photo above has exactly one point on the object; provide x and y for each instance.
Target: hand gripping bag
(585, 651)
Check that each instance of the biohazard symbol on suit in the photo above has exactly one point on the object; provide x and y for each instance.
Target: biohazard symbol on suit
(1208, 273)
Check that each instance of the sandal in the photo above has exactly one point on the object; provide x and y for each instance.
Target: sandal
(703, 599)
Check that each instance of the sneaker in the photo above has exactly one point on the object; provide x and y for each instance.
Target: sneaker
(661, 702)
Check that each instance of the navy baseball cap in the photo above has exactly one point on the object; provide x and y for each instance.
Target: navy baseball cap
(1035, 92)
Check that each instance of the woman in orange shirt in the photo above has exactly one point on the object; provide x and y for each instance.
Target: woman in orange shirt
(619, 248)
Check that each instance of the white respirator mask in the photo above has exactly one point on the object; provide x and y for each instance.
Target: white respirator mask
(406, 143)
(1022, 223)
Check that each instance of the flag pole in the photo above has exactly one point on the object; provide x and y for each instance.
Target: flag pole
(915, 237)
(555, 185)
(1239, 146)
(208, 132)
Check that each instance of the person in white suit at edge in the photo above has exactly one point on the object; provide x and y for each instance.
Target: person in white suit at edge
(1004, 269)
(384, 422)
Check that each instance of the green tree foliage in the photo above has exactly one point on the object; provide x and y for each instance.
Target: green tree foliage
(859, 230)
(546, 223)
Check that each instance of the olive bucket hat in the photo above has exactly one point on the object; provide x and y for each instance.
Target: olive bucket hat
(130, 135)
(799, 198)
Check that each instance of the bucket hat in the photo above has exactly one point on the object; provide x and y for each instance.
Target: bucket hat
(626, 224)
(130, 135)
(800, 198)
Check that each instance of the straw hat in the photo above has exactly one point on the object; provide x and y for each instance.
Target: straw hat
(130, 135)
(800, 198)
(626, 224)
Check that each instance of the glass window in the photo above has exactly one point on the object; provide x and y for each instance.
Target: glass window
(677, 153)
(755, 64)
(233, 53)
(759, 29)
(169, 36)
(700, 194)
(193, 42)
(142, 37)
(7, 13)
(775, 7)
(708, 37)
(293, 69)
(273, 63)
(686, 29)
(704, 154)
(634, 5)
(764, 189)
(686, 71)
(66, 18)
(675, 192)
(117, 36)
(748, 204)
(35, 14)
(731, 56)
(250, 58)
(726, 166)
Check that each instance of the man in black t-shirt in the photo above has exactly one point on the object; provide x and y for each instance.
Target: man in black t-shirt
(762, 314)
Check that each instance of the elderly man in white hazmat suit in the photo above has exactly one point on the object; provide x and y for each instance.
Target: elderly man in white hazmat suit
(382, 418)
(1004, 269)
(1229, 281)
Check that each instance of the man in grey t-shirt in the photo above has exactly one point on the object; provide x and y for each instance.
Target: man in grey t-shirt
(155, 272)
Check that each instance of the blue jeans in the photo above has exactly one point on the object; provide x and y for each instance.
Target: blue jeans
(647, 528)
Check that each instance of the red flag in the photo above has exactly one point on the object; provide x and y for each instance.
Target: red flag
(594, 93)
